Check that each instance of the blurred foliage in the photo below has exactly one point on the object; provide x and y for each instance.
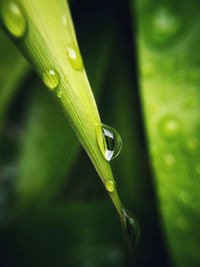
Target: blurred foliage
(142, 60)
(167, 41)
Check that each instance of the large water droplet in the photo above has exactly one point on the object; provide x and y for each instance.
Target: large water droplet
(51, 79)
(75, 58)
(169, 127)
(110, 185)
(13, 18)
(164, 25)
(109, 140)
(132, 227)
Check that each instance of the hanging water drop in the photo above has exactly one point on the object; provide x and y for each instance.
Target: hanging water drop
(75, 58)
(51, 79)
(110, 185)
(109, 140)
(132, 227)
(13, 18)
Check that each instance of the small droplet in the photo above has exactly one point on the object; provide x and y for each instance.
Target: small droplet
(64, 20)
(132, 227)
(110, 185)
(13, 18)
(75, 58)
(109, 140)
(59, 94)
(165, 25)
(169, 160)
(168, 163)
(51, 79)
(169, 127)
(191, 146)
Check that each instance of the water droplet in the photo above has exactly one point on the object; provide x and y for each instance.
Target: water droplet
(132, 227)
(164, 25)
(59, 94)
(168, 163)
(51, 79)
(191, 146)
(13, 18)
(109, 140)
(75, 58)
(169, 160)
(169, 127)
(110, 185)
(64, 20)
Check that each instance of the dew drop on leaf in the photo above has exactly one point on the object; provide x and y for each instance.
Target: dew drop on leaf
(169, 127)
(164, 24)
(75, 58)
(109, 141)
(51, 79)
(132, 227)
(168, 163)
(59, 94)
(110, 185)
(190, 146)
(13, 18)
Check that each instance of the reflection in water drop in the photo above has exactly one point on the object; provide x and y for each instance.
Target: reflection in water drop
(13, 18)
(110, 185)
(165, 25)
(109, 140)
(75, 58)
(51, 79)
(132, 227)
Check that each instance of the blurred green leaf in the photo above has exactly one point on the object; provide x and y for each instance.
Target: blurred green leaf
(168, 44)
(13, 69)
(66, 235)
